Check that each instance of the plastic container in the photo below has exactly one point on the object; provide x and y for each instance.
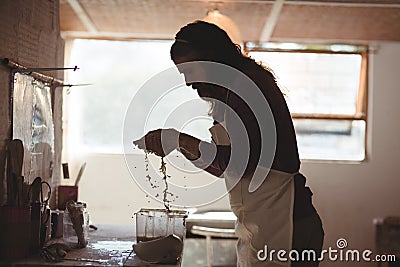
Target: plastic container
(69, 234)
(156, 223)
(57, 218)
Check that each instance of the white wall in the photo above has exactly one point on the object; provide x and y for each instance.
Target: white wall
(113, 194)
(348, 196)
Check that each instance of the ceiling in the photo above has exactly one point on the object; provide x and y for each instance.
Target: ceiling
(281, 20)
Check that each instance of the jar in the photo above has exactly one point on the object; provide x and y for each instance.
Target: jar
(156, 223)
(57, 219)
(76, 224)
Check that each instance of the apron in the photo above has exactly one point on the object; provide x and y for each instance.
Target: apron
(264, 220)
(264, 215)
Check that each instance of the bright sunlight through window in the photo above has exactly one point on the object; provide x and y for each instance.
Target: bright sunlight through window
(325, 90)
(111, 72)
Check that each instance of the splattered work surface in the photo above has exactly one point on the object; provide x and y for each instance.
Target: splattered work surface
(108, 246)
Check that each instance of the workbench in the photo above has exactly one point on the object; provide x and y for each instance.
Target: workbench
(109, 245)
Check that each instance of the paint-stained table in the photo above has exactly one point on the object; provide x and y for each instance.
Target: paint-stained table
(109, 245)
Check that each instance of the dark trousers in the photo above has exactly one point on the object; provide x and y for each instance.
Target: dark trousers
(307, 235)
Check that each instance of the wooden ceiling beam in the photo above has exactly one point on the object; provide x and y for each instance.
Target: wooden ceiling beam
(345, 4)
(350, 3)
(82, 15)
(270, 24)
(115, 35)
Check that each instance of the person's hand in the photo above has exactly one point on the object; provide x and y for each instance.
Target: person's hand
(160, 142)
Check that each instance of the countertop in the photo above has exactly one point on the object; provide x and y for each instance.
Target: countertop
(109, 245)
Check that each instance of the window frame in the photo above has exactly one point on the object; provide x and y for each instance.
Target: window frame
(361, 111)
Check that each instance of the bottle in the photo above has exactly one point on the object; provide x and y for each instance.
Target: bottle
(76, 224)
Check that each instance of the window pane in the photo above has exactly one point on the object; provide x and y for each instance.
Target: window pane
(117, 70)
(316, 82)
(331, 139)
(321, 83)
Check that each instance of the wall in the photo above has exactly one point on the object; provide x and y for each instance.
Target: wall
(30, 35)
(348, 196)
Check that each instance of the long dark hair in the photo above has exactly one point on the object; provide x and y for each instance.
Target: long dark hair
(202, 39)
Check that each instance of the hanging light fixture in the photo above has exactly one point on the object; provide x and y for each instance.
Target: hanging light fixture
(225, 23)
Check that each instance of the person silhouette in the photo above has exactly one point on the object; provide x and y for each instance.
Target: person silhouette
(275, 212)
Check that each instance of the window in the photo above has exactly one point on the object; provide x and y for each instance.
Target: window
(326, 91)
(325, 88)
(112, 72)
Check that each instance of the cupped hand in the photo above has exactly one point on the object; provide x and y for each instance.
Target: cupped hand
(160, 142)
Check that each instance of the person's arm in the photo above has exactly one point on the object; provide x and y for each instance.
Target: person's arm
(207, 156)
(204, 155)
(189, 146)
